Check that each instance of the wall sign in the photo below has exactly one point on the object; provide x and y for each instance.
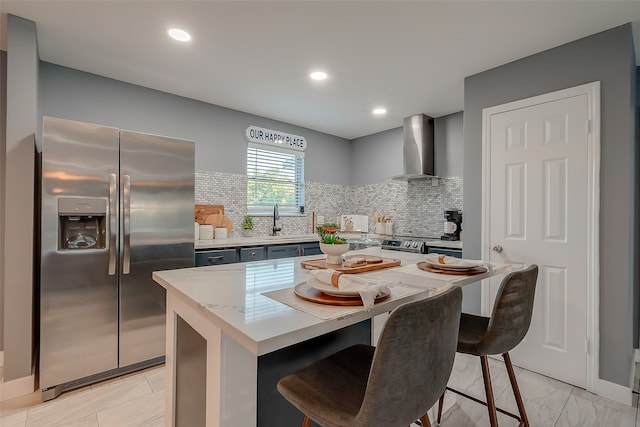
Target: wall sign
(275, 138)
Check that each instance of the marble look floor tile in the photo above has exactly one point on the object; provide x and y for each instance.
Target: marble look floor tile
(16, 419)
(580, 412)
(503, 421)
(155, 422)
(466, 376)
(90, 421)
(156, 379)
(538, 415)
(458, 411)
(630, 410)
(133, 413)
(539, 389)
(75, 406)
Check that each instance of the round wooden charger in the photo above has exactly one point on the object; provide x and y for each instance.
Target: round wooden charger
(306, 292)
(475, 270)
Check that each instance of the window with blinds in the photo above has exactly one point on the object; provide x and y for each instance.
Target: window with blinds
(274, 176)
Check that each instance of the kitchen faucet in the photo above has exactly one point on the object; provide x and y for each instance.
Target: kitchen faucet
(276, 216)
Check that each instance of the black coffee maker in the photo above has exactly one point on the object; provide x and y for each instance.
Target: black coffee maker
(452, 224)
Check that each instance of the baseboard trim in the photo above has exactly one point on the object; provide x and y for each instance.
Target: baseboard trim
(17, 387)
(613, 391)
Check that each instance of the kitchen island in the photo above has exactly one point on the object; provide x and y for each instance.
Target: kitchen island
(228, 343)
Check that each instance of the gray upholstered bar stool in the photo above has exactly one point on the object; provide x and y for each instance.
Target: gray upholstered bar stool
(499, 334)
(390, 385)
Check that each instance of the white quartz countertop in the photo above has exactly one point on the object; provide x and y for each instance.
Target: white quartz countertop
(230, 296)
(234, 242)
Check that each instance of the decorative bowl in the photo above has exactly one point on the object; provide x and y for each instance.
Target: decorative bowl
(334, 251)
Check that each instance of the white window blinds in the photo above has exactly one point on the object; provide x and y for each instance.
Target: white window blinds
(274, 176)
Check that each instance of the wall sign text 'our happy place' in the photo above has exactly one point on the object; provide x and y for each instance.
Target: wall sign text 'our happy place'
(275, 138)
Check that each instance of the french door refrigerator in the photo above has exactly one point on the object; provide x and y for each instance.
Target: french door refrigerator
(116, 206)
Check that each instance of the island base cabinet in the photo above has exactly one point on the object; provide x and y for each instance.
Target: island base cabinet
(214, 381)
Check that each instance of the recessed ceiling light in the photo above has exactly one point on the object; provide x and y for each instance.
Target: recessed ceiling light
(379, 111)
(318, 75)
(179, 34)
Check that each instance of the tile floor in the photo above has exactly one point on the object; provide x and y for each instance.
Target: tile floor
(138, 400)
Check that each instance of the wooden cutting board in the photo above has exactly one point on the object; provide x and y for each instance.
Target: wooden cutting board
(217, 220)
(226, 221)
(321, 263)
(203, 211)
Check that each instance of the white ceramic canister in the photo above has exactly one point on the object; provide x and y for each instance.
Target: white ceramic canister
(388, 228)
(380, 228)
(221, 232)
(206, 232)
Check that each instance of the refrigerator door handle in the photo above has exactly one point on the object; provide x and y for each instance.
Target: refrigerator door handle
(112, 223)
(126, 224)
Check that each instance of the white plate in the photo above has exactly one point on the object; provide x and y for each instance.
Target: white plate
(330, 289)
(451, 263)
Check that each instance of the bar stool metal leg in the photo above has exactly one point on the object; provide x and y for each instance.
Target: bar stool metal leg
(516, 390)
(440, 405)
(491, 404)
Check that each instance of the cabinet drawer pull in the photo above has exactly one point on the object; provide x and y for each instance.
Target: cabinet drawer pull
(253, 254)
(215, 259)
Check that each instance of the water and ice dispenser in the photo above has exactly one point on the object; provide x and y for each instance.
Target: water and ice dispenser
(82, 223)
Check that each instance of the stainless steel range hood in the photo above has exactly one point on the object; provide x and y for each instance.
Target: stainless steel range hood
(417, 148)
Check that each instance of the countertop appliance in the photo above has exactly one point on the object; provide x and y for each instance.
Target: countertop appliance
(452, 224)
(116, 206)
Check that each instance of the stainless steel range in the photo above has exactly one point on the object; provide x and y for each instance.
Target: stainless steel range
(406, 244)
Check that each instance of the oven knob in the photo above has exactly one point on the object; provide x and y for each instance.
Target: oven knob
(407, 244)
(415, 244)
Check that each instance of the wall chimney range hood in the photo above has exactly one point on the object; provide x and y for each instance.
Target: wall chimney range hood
(417, 148)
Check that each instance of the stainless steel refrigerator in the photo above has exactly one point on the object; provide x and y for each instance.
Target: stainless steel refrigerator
(116, 206)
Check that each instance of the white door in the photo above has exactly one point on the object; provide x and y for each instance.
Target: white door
(539, 212)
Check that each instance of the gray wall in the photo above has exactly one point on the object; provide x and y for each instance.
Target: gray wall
(609, 58)
(449, 145)
(217, 131)
(378, 156)
(3, 145)
(18, 250)
(636, 234)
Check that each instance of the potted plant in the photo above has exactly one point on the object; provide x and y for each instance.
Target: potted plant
(331, 244)
(247, 226)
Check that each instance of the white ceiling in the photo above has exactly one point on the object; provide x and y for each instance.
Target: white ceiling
(255, 56)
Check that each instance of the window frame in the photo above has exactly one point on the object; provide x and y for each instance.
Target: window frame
(299, 184)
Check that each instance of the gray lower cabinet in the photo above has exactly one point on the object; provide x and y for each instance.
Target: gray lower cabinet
(283, 251)
(293, 250)
(310, 248)
(216, 257)
(253, 254)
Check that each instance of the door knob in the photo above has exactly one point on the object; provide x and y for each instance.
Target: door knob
(497, 248)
